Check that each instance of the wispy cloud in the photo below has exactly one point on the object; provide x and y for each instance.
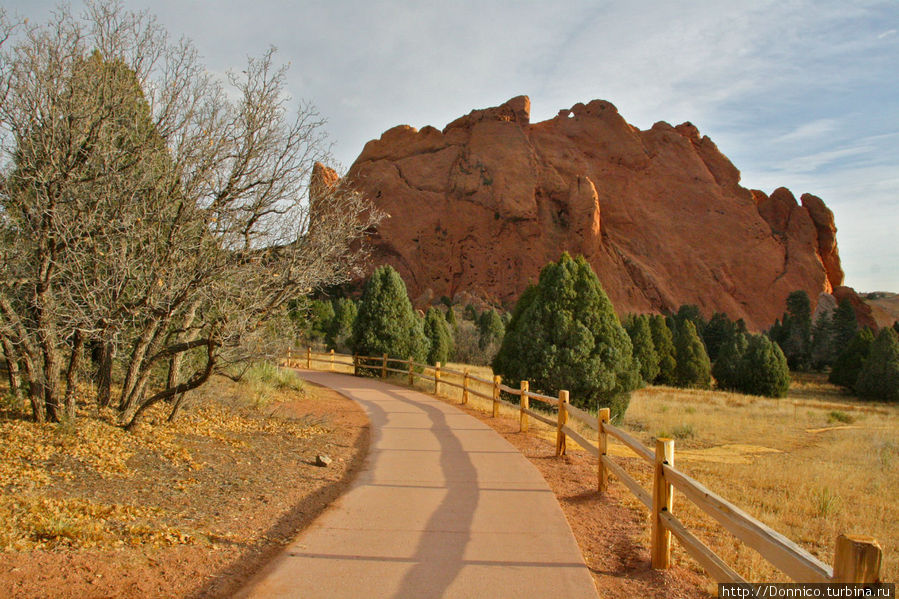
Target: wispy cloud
(811, 130)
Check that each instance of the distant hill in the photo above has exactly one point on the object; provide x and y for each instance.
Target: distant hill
(884, 306)
(482, 205)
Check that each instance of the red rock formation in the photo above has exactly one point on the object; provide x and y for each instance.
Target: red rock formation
(482, 205)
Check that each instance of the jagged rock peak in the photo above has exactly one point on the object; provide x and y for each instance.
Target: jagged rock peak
(481, 206)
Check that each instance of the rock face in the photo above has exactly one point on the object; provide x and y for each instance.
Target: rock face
(481, 206)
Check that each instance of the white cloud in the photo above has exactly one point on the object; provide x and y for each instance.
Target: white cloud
(811, 130)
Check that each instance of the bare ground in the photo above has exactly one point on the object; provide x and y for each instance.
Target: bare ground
(212, 520)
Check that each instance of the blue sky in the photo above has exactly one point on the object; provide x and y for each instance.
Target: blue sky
(797, 93)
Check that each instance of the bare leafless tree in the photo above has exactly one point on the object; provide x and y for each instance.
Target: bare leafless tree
(151, 213)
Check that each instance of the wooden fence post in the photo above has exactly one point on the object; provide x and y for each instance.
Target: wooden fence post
(522, 406)
(332, 361)
(662, 500)
(497, 380)
(561, 439)
(384, 367)
(309, 358)
(465, 387)
(355, 364)
(411, 375)
(603, 416)
(856, 559)
(288, 357)
(436, 378)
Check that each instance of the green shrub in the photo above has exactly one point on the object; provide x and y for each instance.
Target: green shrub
(564, 334)
(840, 416)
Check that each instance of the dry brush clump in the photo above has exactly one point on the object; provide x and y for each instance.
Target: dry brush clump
(153, 220)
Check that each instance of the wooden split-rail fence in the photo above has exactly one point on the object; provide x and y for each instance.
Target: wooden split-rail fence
(857, 559)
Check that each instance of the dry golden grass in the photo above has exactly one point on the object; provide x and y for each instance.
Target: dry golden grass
(812, 465)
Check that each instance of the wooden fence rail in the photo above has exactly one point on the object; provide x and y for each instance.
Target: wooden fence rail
(857, 559)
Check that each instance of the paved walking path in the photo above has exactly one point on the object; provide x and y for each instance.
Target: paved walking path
(443, 507)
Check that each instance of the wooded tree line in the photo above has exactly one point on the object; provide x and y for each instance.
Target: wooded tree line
(154, 221)
(564, 334)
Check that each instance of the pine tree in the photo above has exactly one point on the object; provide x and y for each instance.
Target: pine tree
(450, 316)
(386, 322)
(849, 363)
(439, 337)
(879, 375)
(644, 349)
(663, 341)
(564, 334)
(693, 367)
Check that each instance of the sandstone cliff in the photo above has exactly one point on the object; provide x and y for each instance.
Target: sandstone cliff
(481, 206)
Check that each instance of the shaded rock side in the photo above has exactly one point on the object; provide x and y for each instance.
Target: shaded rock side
(481, 206)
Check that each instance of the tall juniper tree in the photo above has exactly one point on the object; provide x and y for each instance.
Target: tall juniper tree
(564, 334)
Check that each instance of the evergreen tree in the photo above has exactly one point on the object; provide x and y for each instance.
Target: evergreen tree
(823, 347)
(450, 316)
(693, 367)
(341, 328)
(879, 375)
(321, 314)
(490, 329)
(763, 369)
(896, 326)
(470, 313)
(663, 342)
(716, 333)
(726, 369)
(692, 313)
(439, 337)
(795, 338)
(644, 349)
(849, 363)
(564, 334)
(386, 322)
(845, 324)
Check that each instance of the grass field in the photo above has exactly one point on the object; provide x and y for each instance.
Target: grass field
(812, 465)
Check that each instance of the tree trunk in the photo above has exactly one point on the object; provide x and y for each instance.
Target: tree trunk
(104, 374)
(127, 399)
(72, 374)
(130, 417)
(12, 366)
